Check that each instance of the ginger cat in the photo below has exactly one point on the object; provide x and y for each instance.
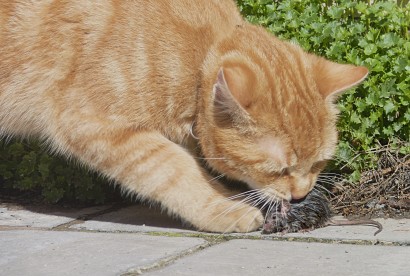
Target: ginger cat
(125, 86)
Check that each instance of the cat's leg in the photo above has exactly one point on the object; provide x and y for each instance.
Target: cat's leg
(157, 169)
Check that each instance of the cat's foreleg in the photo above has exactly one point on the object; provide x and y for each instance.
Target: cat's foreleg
(148, 164)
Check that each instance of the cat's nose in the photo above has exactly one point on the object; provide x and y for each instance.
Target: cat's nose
(301, 188)
(298, 195)
(300, 192)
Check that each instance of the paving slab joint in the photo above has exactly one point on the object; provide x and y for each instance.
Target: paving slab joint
(167, 260)
(338, 241)
(219, 238)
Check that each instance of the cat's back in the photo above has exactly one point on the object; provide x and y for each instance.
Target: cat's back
(54, 53)
(25, 22)
(48, 36)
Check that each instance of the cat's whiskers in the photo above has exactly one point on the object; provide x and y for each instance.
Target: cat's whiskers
(330, 173)
(276, 211)
(249, 227)
(254, 198)
(246, 200)
(330, 179)
(323, 188)
(235, 222)
(191, 131)
(309, 207)
(261, 199)
(267, 202)
(243, 194)
(327, 185)
(210, 158)
(270, 201)
(270, 207)
(329, 182)
(324, 184)
(217, 177)
(283, 211)
(336, 175)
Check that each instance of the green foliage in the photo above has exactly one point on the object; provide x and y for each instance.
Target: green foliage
(370, 33)
(28, 167)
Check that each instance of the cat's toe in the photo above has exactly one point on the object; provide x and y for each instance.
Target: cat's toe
(226, 219)
(242, 221)
(250, 222)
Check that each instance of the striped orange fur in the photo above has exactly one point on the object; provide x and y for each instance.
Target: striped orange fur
(119, 84)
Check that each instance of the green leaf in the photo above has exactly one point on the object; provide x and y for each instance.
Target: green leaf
(370, 49)
(361, 7)
(355, 118)
(388, 40)
(335, 12)
(389, 107)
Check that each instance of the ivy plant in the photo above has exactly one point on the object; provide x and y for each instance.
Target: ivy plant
(27, 166)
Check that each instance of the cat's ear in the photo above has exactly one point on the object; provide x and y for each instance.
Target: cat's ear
(230, 95)
(333, 78)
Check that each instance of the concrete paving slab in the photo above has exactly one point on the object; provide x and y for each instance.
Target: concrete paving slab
(17, 217)
(77, 253)
(256, 257)
(140, 218)
(136, 218)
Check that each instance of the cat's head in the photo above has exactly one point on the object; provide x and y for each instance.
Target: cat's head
(270, 120)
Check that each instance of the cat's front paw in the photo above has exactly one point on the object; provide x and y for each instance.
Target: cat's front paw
(232, 217)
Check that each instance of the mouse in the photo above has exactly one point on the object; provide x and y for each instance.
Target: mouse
(312, 212)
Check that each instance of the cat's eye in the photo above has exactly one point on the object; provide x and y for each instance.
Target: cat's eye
(319, 166)
(279, 174)
(284, 172)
